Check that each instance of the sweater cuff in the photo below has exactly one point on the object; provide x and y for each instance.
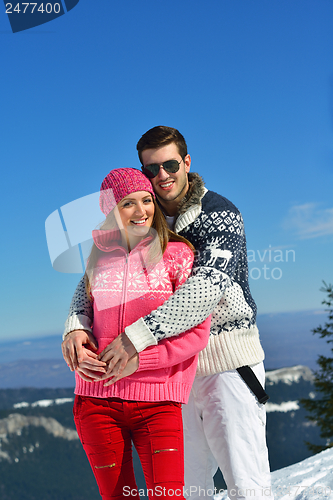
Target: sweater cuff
(148, 360)
(140, 335)
(77, 322)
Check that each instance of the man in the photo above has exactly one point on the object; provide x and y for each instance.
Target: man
(224, 423)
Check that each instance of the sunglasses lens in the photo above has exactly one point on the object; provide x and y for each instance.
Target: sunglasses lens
(171, 166)
(151, 170)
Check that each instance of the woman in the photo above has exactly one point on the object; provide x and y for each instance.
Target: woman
(135, 264)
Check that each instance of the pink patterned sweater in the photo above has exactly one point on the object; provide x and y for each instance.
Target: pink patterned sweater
(123, 290)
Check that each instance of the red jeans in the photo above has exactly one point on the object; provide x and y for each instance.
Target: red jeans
(107, 427)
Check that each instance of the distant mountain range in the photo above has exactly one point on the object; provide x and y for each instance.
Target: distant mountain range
(51, 373)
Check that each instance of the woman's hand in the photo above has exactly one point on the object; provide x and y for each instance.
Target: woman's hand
(73, 350)
(117, 354)
(90, 368)
(131, 367)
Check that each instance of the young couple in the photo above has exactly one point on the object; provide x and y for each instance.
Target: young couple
(138, 320)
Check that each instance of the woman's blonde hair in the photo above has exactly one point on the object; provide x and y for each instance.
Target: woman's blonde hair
(161, 236)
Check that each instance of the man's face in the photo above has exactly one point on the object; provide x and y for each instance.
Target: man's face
(169, 187)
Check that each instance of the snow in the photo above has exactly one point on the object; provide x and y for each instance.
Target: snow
(311, 479)
(289, 375)
(24, 404)
(282, 407)
(44, 402)
(61, 401)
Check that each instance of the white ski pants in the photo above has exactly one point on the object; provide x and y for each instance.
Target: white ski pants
(224, 426)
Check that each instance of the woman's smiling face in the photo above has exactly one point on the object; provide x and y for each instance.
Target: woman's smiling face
(135, 213)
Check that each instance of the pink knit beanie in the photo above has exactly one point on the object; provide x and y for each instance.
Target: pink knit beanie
(119, 183)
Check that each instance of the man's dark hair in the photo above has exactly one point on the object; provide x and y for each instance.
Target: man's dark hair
(160, 136)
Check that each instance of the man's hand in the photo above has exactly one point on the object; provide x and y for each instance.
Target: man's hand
(117, 354)
(90, 368)
(72, 347)
(131, 366)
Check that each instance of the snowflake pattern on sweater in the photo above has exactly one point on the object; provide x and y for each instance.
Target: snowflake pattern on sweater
(176, 269)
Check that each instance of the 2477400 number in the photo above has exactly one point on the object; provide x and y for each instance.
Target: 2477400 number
(30, 8)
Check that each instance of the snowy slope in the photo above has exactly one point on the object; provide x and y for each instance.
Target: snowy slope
(311, 479)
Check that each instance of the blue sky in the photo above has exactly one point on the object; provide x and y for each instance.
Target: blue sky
(249, 83)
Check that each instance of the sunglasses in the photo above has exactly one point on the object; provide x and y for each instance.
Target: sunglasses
(170, 166)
